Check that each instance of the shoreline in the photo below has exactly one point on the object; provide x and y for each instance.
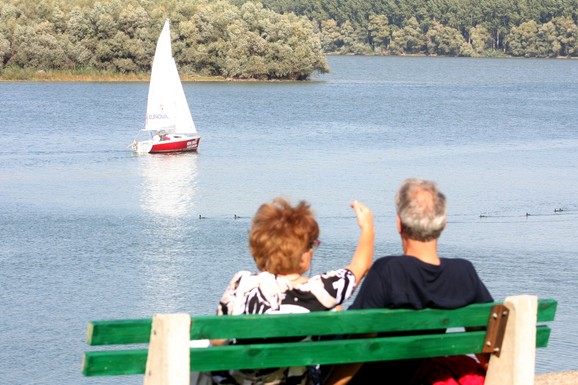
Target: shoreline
(132, 78)
(55, 77)
(22, 75)
(560, 378)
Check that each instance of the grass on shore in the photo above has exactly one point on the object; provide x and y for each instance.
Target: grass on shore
(12, 74)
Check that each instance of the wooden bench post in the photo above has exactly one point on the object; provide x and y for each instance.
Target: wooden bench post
(516, 363)
(168, 355)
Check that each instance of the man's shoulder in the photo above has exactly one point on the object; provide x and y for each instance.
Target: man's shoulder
(392, 261)
(458, 263)
(407, 262)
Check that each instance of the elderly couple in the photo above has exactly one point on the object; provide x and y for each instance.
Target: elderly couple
(283, 240)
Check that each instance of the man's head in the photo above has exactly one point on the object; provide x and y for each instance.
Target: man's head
(421, 209)
(281, 234)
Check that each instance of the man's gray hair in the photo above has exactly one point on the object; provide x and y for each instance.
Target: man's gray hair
(422, 209)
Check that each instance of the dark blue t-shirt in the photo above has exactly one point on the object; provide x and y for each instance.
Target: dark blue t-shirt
(405, 282)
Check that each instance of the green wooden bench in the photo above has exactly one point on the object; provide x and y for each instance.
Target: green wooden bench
(512, 331)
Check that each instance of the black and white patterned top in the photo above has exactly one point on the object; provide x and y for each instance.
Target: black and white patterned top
(266, 293)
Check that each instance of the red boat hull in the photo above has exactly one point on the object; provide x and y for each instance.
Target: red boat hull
(176, 145)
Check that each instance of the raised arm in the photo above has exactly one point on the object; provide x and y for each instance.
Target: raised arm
(363, 256)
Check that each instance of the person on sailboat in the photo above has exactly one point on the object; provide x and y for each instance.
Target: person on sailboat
(282, 241)
(157, 137)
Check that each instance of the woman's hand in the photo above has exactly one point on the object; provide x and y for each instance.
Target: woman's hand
(363, 214)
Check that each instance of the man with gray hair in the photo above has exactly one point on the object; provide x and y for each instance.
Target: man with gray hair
(418, 279)
(421, 210)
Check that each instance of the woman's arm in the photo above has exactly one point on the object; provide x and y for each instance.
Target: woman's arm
(363, 256)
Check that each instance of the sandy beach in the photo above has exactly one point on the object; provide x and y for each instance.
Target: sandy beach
(562, 378)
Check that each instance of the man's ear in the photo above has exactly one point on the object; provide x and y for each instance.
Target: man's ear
(398, 220)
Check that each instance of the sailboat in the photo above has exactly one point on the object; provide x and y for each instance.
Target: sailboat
(169, 122)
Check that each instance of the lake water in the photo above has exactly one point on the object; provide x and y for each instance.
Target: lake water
(90, 231)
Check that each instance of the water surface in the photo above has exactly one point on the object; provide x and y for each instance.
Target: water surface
(90, 231)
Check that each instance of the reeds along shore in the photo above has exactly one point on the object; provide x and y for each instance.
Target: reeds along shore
(63, 76)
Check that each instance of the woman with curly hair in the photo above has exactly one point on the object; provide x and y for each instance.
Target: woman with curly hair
(282, 240)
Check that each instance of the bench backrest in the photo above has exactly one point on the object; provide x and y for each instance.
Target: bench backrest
(428, 343)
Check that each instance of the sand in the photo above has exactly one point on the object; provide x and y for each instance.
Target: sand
(562, 378)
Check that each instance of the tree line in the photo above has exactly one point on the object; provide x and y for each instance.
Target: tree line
(274, 39)
(213, 38)
(525, 28)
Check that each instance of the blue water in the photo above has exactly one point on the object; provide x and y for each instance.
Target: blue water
(90, 231)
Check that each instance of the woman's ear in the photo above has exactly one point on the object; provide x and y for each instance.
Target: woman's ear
(305, 261)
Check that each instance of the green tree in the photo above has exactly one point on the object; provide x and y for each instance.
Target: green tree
(378, 32)
(354, 40)
(409, 39)
(567, 32)
(481, 39)
(442, 40)
(523, 40)
(77, 26)
(498, 15)
(134, 22)
(4, 50)
(9, 19)
(548, 44)
(40, 48)
(331, 39)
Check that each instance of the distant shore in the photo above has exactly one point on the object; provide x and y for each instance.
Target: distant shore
(561, 378)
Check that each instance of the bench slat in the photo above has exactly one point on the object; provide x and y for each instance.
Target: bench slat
(114, 362)
(316, 323)
(547, 310)
(309, 353)
(132, 331)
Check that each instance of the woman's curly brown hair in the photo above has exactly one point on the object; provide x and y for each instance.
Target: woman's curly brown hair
(280, 234)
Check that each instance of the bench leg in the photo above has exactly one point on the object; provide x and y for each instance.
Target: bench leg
(517, 361)
(168, 357)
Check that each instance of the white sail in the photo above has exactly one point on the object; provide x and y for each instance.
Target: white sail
(167, 107)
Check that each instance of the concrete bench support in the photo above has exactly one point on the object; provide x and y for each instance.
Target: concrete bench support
(168, 357)
(516, 363)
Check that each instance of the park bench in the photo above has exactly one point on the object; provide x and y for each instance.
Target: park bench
(511, 332)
